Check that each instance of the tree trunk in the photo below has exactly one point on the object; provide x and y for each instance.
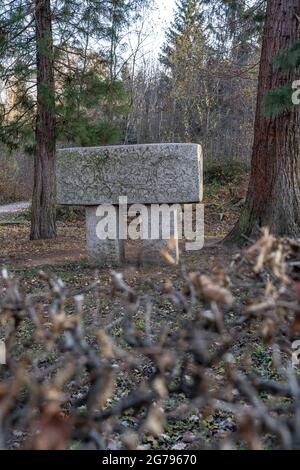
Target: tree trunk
(43, 223)
(273, 198)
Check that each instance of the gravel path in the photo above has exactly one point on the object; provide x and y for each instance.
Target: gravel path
(15, 207)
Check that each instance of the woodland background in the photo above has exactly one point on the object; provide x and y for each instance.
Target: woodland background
(200, 88)
(200, 355)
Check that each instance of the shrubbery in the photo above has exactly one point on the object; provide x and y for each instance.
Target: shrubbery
(61, 385)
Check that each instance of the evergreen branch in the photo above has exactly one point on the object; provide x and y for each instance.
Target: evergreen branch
(288, 59)
(278, 101)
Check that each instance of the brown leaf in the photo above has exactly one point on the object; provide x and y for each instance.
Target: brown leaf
(296, 288)
(53, 429)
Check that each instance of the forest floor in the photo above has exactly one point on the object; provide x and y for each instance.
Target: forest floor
(65, 257)
(222, 205)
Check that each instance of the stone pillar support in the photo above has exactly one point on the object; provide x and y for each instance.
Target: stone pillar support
(104, 252)
(163, 233)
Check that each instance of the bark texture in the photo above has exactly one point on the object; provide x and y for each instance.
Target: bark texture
(273, 197)
(43, 223)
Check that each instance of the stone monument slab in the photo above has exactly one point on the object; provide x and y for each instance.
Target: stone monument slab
(144, 174)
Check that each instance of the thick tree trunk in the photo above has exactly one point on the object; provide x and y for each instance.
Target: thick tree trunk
(273, 197)
(43, 201)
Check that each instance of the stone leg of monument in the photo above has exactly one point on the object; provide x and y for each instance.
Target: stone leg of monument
(108, 252)
(165, 228)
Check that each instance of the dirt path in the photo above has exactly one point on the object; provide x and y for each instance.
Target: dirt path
(14, 207)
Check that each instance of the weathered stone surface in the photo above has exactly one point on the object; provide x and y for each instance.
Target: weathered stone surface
(146, 174)
(152, 249)
(102, 252)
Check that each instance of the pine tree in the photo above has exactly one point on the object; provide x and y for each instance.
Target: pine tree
(36, 37)
(184, 32)
(273, 197)
(185, 58)
(232, 22)
(279, 99)
(44, 190)
(208, 46)
(89, 115)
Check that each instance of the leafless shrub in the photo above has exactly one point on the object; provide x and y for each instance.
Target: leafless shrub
(75, 398)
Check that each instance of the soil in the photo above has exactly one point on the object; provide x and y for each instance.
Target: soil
(222, 206)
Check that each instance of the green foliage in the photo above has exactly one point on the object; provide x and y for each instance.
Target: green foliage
(278, 101)
(206, 41)
(87, 109)
(185, 56)
(90, 101)
(233, 22)
(288, 59)
(83, 133)
(184, 31)
(221, 173)
(70, 213)
(17, 133)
